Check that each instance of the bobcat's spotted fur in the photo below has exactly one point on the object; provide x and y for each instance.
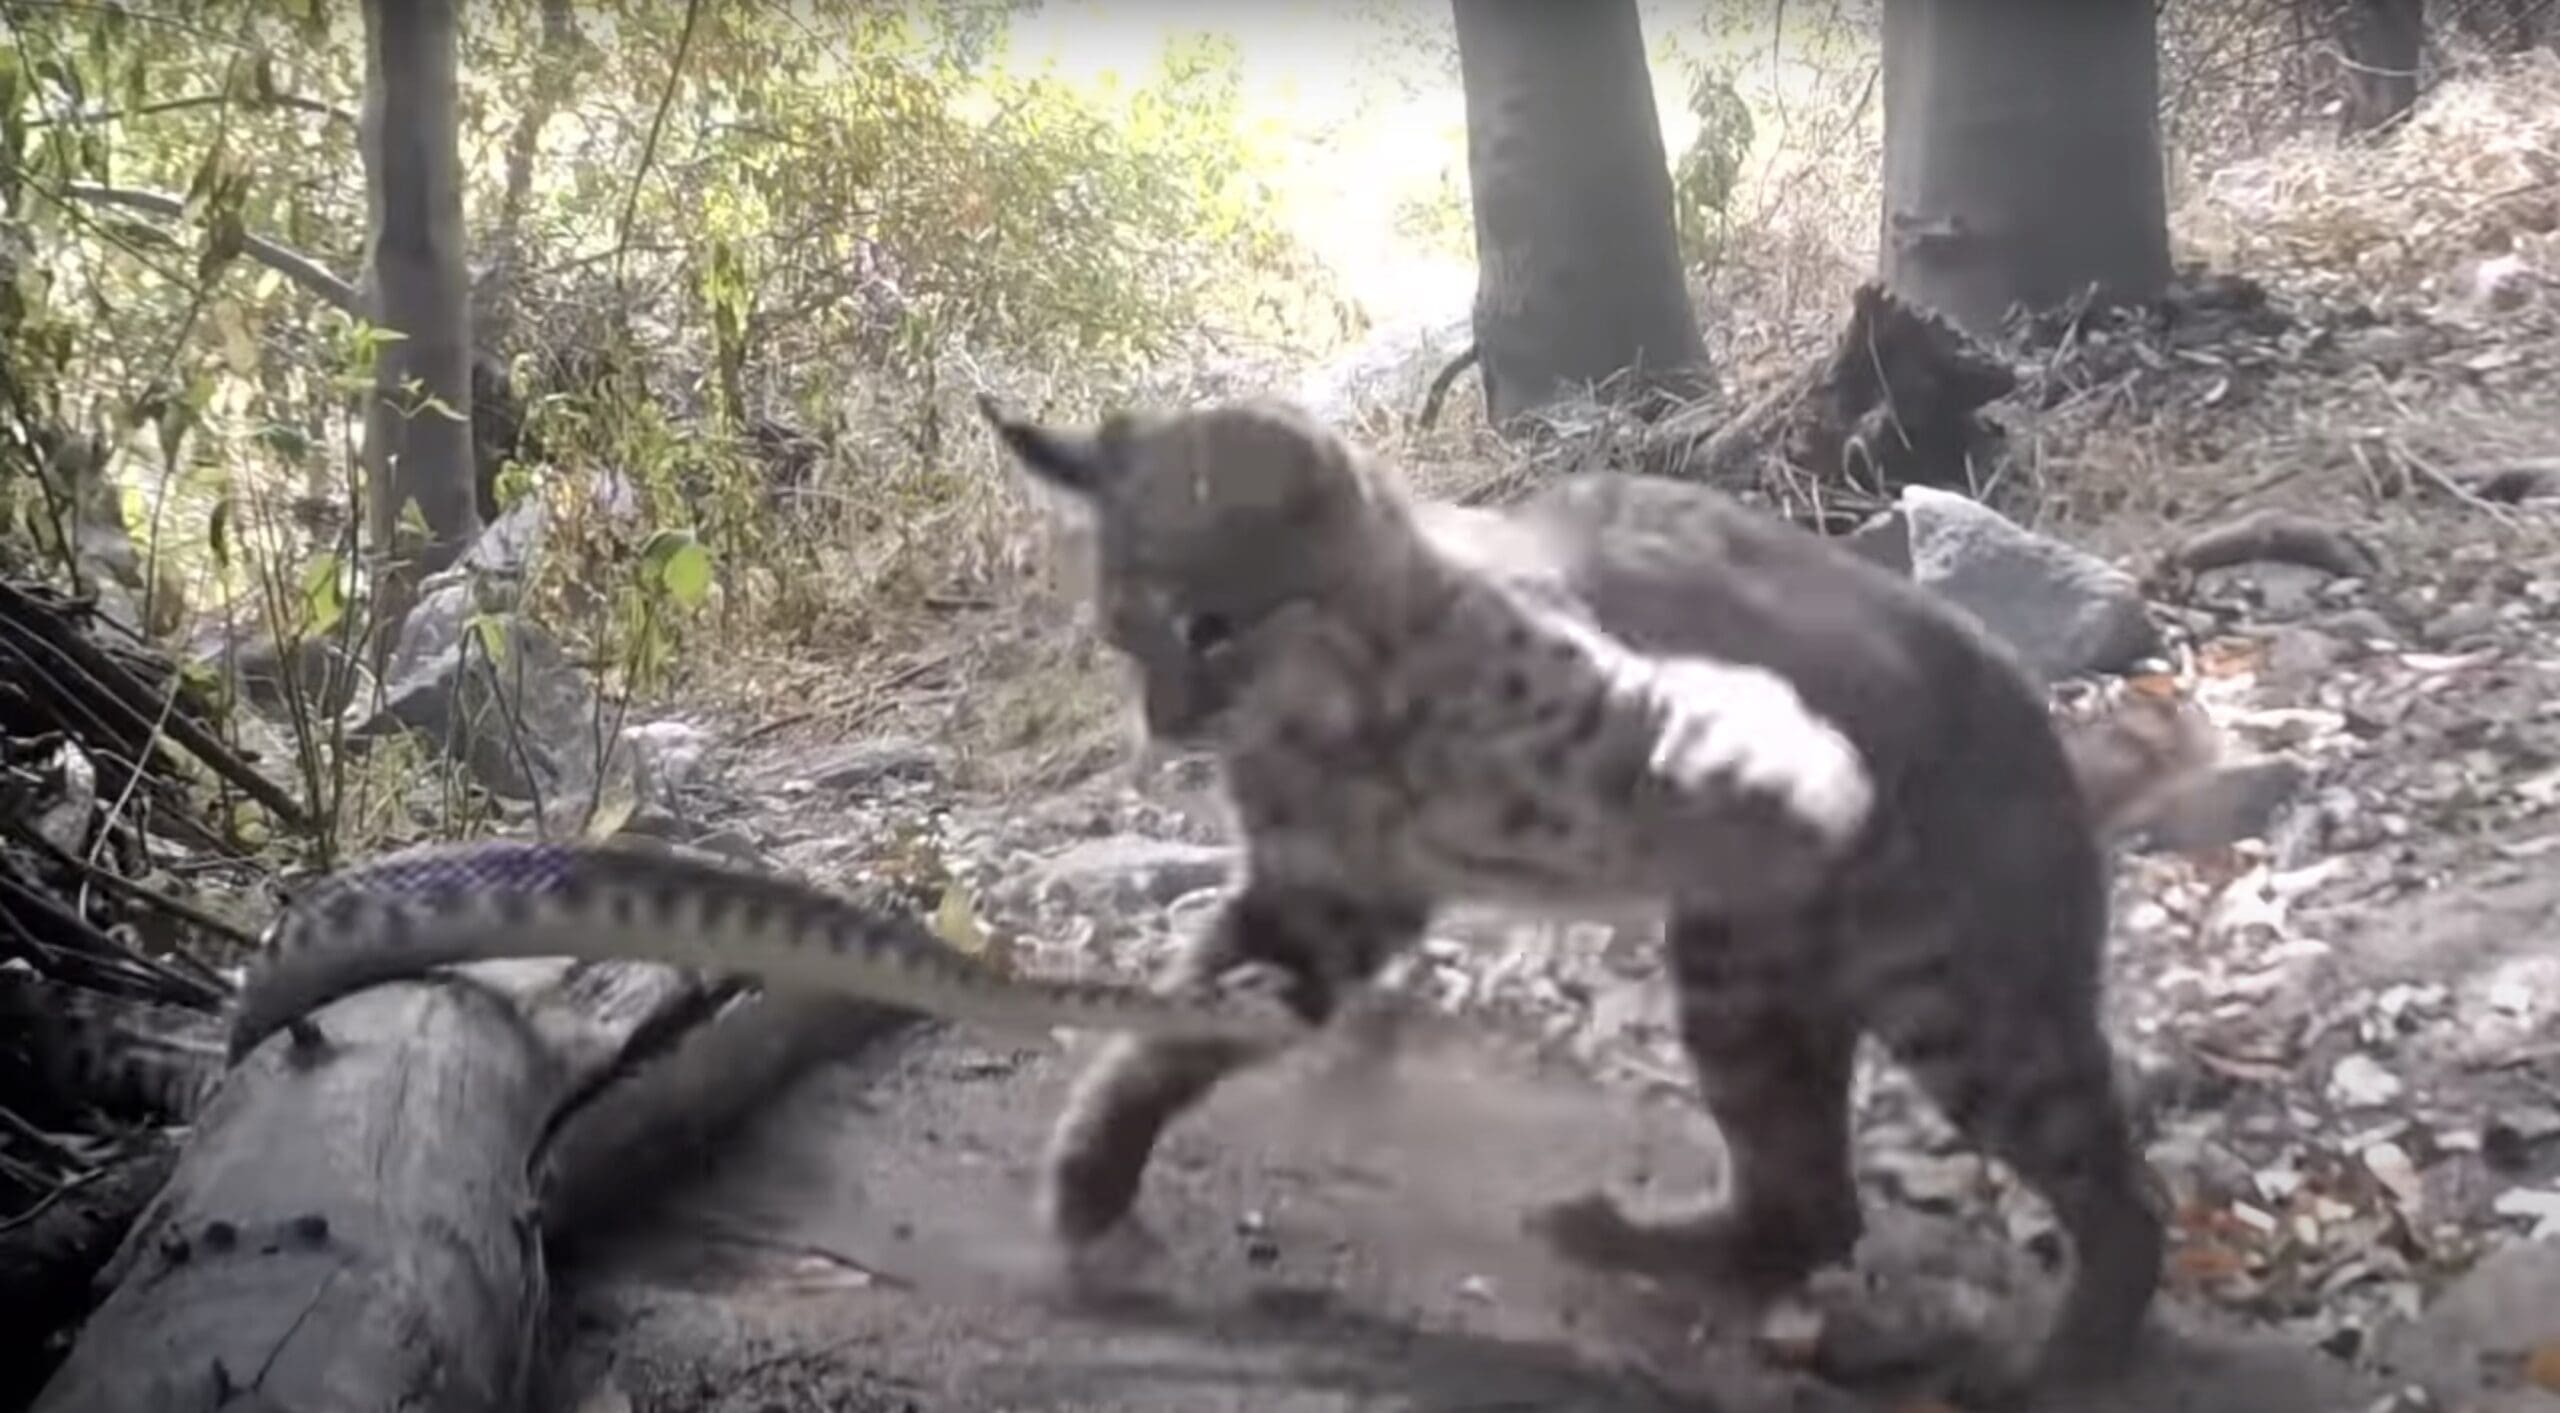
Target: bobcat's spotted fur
(1854, 807)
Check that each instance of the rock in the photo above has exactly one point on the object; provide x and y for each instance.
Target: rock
(666, 757)
(2362, 626)
(516, 712)
(2294, 651)
(2062, 610)
(508, 544)
(2286, 590)
(2468, 1346)
(248, 656)
(2500, 283)
(1137, 872)
(1884, 540)
(2467, 620)
(870, 764)
(2360, 1082)
(523, 723)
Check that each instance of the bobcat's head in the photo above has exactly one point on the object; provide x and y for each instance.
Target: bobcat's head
(1210, 528)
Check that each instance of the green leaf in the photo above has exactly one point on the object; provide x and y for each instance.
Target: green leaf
(678, 564)
(285, 440)
(323, 596)
(491, 630)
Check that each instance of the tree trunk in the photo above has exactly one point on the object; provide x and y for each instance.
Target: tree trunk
(2381, 42)
(1578, 265)
(416, 281)
(2021, 155)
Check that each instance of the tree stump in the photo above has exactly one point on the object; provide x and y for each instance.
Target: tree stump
(1897, 403)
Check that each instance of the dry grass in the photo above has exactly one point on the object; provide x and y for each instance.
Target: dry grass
(2406, 369)
(2474, 174)
(945, 559)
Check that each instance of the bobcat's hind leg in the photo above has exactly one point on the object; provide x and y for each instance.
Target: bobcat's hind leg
(1322, 944)
(1773, 1056)
(2010, 1047)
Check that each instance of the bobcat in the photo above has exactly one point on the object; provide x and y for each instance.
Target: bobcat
(1853, 807)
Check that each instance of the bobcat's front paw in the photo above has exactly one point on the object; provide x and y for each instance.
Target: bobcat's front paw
(1721, 727)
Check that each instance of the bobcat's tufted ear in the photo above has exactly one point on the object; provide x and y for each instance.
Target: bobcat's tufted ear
(1083, 462)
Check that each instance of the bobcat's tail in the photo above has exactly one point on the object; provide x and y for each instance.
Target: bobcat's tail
(2143, 752)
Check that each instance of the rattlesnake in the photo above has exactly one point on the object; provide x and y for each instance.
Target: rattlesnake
(397, 916)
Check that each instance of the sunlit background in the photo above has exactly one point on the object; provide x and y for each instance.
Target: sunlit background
(1362, 96)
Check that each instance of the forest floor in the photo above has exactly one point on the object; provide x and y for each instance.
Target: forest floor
(2342, 1034)
(2345, 1038)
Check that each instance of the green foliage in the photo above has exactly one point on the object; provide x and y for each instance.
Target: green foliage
(803, 212)
(1705, 176)
(1439, 218)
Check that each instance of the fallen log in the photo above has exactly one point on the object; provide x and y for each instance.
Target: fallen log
(351, 1224)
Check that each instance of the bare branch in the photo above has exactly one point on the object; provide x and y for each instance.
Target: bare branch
(292, 264)
(289, 101)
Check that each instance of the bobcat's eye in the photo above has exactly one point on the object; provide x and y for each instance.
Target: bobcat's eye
(1204, 632)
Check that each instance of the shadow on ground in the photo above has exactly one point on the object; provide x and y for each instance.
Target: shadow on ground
(1327, 1247)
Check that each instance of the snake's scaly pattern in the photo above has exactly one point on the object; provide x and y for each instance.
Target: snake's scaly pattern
(395, 917)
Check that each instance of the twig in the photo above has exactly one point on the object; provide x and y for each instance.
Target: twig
(102, 946)
(649, 146)
(120, 688)
(131, 891)
(2450, 486)
(37, 1138)
(292, 264)
(133, 782)
(2215, 505)
(293, 102)
(45, 1203)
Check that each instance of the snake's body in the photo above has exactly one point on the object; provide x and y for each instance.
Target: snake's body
(398, 916)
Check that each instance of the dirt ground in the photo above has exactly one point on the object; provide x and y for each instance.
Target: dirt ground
(1326, 1247)
(2348, 1051)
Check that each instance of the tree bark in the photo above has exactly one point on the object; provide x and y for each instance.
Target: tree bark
(2381, 42)
(2021, 155)
(416, 281)
(351, 1223)
(1578, 263)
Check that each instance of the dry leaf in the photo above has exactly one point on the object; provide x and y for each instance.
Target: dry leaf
(2228, 657)
(616, 802)
(2542, 1366)
(2201, 1262)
